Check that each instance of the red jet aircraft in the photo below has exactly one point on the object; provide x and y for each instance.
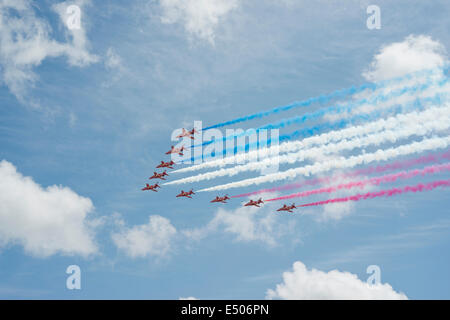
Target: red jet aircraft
(221, 199)
(186, 133)
(176, 150)
(186, 194)
(254, 203)
(166, 164)
(287, 208)
(149, 187)
(159, 175)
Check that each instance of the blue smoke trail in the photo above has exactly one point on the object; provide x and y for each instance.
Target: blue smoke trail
(337, 109)
(417, 104)
(325, 98)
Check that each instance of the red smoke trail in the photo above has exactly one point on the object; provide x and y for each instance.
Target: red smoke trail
(387, 193)
(371, 181)
(401, 164)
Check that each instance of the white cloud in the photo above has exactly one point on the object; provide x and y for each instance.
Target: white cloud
(412, 54)
(199, 17)
(337, 211)
(248, 224)
(188, 298)
(397, 59)
(304, 284)
(25, 41)
(151, 239)
(44, 221)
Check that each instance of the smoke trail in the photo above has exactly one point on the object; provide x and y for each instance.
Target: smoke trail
(402, 164)
(325, 98)
(383, 193)
(371, 181)
(322, 138)
(434, 120)
(336, 109)
(342, 163)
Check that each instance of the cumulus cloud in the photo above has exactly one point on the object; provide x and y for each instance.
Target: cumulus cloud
(247, 224)
(25, 42)
(45, 221)
(412, 54)
(199, 17)
(304, 284)
(151, 239)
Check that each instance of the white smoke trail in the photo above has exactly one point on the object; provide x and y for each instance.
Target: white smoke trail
(342, 163)
(318, 139)
(432, 90)
(338, 110)
(400, 127)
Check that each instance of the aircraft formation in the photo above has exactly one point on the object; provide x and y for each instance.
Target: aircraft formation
(328, 154)
(188, 194)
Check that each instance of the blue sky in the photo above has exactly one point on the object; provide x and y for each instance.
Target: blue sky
(98, 114)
